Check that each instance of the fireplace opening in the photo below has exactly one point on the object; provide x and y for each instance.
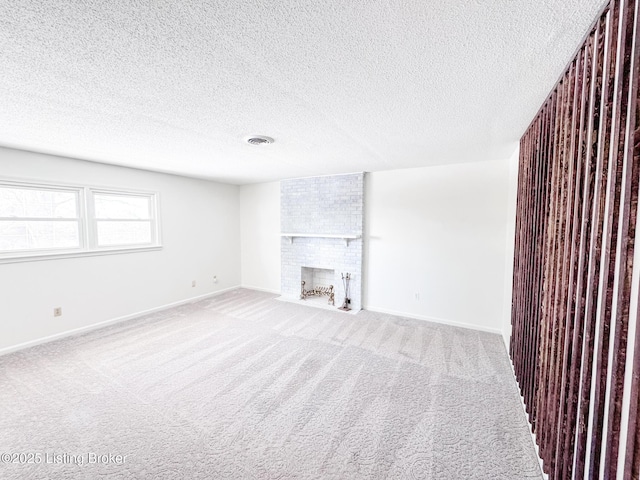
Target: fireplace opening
(318, 285)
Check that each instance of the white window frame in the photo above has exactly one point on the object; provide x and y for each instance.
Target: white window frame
(93, 228)
(80, 217)
(87, 223)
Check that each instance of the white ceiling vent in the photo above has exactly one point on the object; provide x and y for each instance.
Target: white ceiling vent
(259, 140)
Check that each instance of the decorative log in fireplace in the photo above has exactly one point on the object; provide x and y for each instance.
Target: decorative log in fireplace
(318, 291)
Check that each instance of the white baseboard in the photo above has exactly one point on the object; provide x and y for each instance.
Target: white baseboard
(105, 323)
(434, 320)
(260, 289)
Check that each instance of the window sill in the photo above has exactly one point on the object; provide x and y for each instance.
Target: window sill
(86, 253)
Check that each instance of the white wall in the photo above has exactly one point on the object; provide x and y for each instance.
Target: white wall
(200, 233)
(509, 246)
(444, 232)
(260, 236)
(438, 233)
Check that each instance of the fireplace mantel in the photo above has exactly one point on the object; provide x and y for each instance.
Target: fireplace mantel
(345, 237)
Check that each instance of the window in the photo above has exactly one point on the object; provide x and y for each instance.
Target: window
(38, 219)
(44, 220)
(123, 219)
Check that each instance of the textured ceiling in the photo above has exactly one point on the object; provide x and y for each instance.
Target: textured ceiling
(342, 86)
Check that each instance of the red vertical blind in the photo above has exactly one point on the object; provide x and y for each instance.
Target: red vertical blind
(574, 344)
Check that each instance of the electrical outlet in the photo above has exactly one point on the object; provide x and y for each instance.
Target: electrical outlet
(193, 284)
(57, 312)
(215, 279)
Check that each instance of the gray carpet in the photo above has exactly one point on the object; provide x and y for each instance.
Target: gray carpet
(242, 386)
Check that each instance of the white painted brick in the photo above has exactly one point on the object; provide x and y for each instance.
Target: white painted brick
(323, 205)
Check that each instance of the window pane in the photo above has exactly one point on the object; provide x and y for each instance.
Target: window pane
(121, 207)
(112, 233)
(33, 203)
(26, 235)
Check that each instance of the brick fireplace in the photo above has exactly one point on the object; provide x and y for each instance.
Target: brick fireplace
(322, 226)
